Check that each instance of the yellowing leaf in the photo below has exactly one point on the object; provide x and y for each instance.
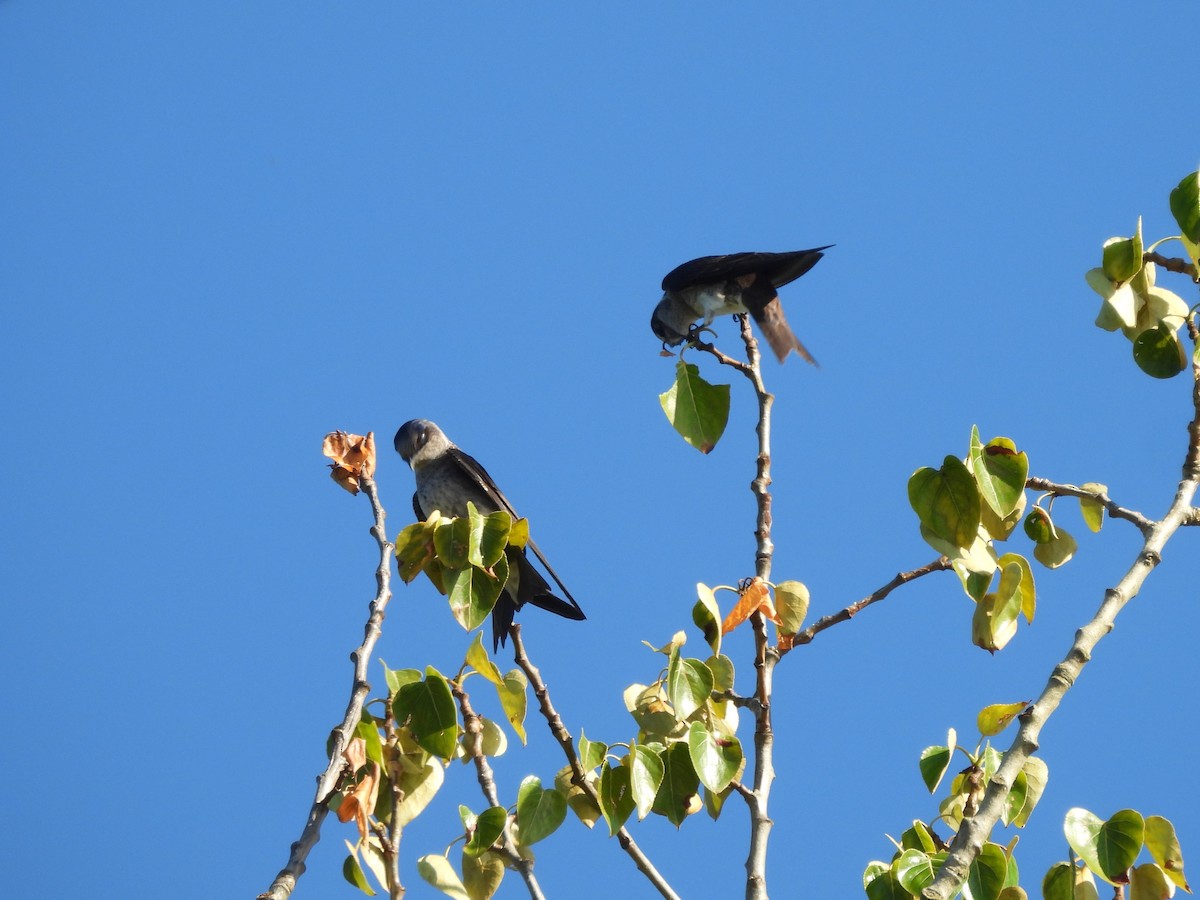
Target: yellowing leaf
(791, 601)
(1093, 510)
(995, 718)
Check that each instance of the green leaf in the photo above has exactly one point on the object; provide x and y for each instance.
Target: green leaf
(696, 409)
(473, 593)
(368, 730)
(488, 536)
(1185, 207)
(1027, 589)
(428, 707)
(353, 873)
(1000, 472)
(1159, 353)
(995, 718)
(714, 803)
(489, 825)
(1093, 510)
(1059, 883)
(677, 795)
(914, 869)
(1123, 256)
(988, 873)
(1001, 528)
(539, 812)
(1149, 882)
(791, 602)
(1108, 847)
(482, 874)
(397, 678)
(1119, 310)
(514, 698)
(707, 616)
(689, 684)
(648, 707)
(716, 757)
(994, 623)
(1165, 850)
(518, 534)
(492, 739)
(591, 753)
(1015, 801)
(451, 539)
(420, 779)
(946, 500)
(616, 796)
(934, 762)
(477, 658)
(722, 672)
(579, 801)
(1037, 774)
(645, 777)
(437, 871)
(918, 837)
(886, 887)
(414, 549)
(1038, 527)
(1057, 551)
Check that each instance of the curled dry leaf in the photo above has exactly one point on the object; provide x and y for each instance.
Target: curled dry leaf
(353, 457)
(359, 802)
(755, 598)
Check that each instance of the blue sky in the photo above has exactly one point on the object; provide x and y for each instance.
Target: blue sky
(228, 231)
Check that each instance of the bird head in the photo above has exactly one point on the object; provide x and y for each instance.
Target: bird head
(665, 322)
(418, 441)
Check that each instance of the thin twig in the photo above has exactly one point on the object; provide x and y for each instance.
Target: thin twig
(473, 726)
(392, 847)
(285, 881)
(1110, 506)
(578, 775)
(765, 656)
(1171, 264)
(941, 564)
(968, 843)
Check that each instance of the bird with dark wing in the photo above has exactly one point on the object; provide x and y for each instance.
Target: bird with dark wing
(447, 479)
(714, 286)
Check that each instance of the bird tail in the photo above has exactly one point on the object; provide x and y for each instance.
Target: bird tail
(533, 589)
(790, 266)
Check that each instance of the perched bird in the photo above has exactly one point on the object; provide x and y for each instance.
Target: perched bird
(446, 479)
(713, 286)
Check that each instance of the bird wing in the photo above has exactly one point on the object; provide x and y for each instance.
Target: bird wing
(479, 475)
(780, 268)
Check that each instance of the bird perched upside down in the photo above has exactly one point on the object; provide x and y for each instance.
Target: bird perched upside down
(714, 286)
(447, 479)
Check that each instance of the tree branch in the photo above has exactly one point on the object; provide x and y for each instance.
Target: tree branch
(473, 726)
(765, 656)
(1180, 266)
(974, 831)
(578, 775)
(941, 564)
(285, 881)
(1114, 511)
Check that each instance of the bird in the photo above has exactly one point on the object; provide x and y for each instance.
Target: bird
(712, 286)
(447, 479)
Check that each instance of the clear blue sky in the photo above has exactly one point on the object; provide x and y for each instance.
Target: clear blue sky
(229, 229)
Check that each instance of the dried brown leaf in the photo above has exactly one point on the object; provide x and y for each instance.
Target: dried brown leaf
(353, 457)
(755, 598)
